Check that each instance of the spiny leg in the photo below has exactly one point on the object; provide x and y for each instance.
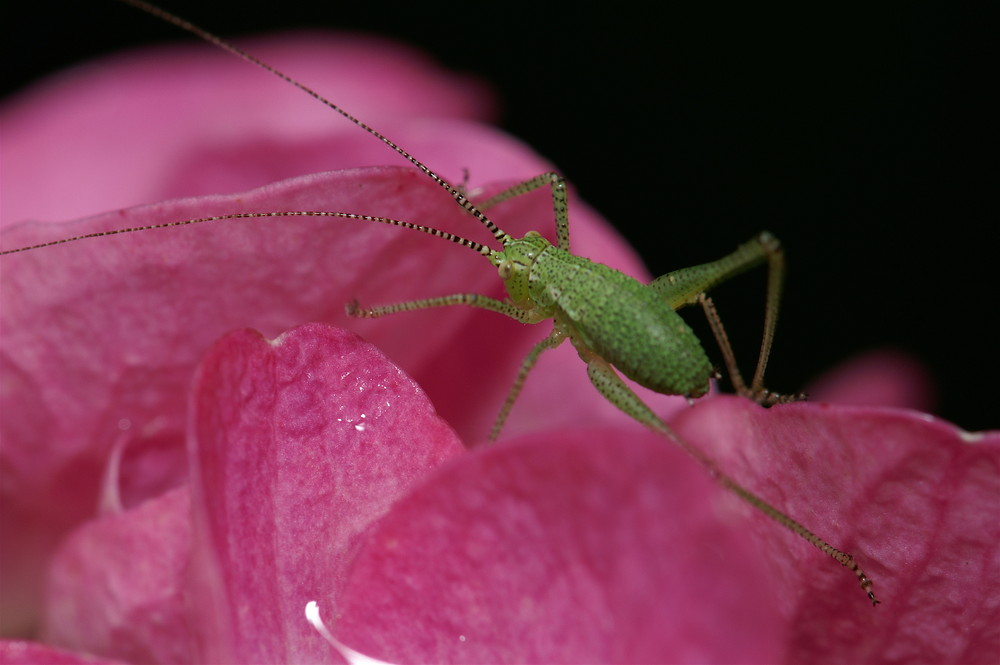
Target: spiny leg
(560, 206)
(610, 385)
(761, 395)
(483, 302)
(468, 299)
(723, 339)
(554, 339)
(689, 285)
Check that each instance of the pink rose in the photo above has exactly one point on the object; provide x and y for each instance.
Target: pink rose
(315, 469)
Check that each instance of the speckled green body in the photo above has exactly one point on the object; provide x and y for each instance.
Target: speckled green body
(606, 312)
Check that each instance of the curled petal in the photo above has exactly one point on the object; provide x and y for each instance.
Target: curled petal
(297, 446)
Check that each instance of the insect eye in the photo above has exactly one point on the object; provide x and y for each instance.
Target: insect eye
(505, 269)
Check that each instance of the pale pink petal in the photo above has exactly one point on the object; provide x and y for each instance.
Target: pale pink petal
(298, 445)
(190, 120)
(21, 652)
(117, 585)
(877, 378)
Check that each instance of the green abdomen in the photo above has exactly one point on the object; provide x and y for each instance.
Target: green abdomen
(623, 321)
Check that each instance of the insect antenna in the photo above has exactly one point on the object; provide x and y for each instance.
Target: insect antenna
(438, 233)
(459, 197)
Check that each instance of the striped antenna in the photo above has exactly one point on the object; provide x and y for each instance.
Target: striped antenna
(235, 50)
(458, 240)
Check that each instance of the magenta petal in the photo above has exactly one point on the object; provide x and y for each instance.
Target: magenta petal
(297, 445)
(913, 498)
(565, 550)
(585, 546)
(117, 585)
(100, 337)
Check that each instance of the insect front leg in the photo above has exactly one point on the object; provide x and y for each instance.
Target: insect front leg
(690, 285)
(468, 299)
(524, 315)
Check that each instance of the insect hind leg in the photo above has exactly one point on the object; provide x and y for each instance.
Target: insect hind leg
(757, 393)
(611, 386)
(690, 285)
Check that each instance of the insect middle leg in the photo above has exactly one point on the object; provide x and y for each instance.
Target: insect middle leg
(688, 286)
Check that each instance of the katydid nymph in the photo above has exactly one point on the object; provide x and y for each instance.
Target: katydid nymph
(616, 323)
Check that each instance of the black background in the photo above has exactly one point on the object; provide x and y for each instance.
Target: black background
(859, 136)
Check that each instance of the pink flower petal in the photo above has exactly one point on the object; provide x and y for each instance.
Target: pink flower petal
(877, 378)
(613, 517)
(913, 498)
(612, 546)
(299, 444)
(89, 365)
(192, 120)
(585, 546)
(117, 585)
(101, 336)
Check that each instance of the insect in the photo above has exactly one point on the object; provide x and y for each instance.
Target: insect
(615, 323)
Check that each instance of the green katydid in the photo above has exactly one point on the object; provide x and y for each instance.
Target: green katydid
(613, 321)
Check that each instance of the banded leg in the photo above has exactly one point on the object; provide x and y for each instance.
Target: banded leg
(560, 206)
(760, 395)
(554, 339)
(355, 310)
(610, 385)
(689, 285)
